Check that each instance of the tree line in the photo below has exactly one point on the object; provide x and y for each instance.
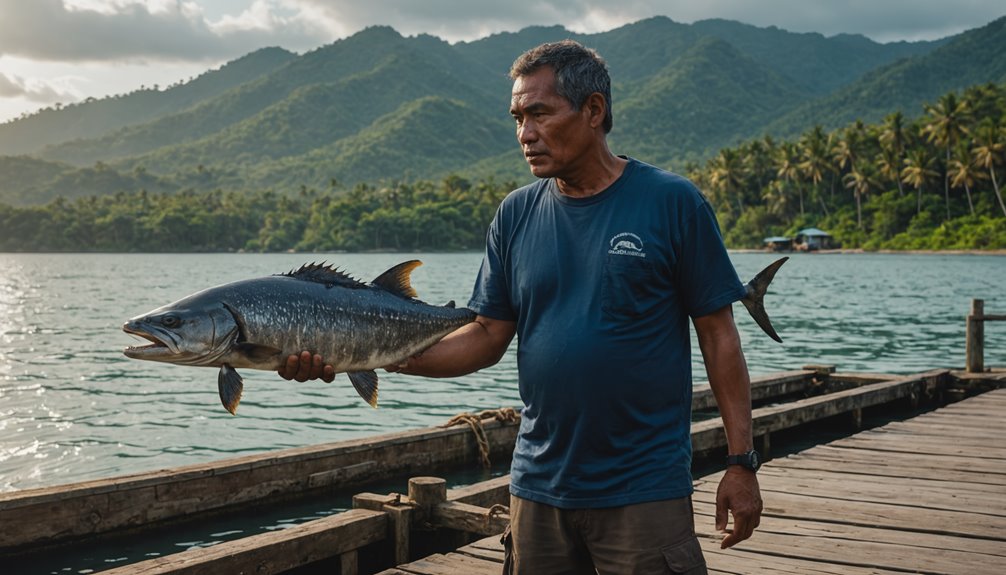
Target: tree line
(934, 182)
(452, 214)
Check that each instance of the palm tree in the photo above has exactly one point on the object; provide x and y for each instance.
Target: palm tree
(727, 176)
(964, 173)
(815, 163)
(918, 169)
(990, 151)
(892, 142)
(946, 127)
(860, 181)
(788, 162)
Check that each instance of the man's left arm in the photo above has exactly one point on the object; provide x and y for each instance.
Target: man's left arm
(738, 491)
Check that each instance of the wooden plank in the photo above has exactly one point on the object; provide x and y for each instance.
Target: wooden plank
(484, 493)
(765, 387)
(470, 518)
(906, 469)
(709, 434)
(843, 488)
(834, 528)
(965, 464)
(453, 564)
(890, 516)
(273, 552)
(743, 560)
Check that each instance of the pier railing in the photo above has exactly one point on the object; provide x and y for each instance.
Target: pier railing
(976, 335)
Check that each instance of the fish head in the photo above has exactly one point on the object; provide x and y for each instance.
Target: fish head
(187, 335)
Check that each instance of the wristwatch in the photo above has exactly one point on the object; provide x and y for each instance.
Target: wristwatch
(750, 460)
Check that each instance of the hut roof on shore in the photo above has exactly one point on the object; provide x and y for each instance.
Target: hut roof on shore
(813, 232)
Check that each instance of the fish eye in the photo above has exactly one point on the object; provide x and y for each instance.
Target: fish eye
(171, 321)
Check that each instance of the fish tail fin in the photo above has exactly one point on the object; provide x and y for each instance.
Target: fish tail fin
(365, 383)
(754, 301)
(397, 279)
(231, 385)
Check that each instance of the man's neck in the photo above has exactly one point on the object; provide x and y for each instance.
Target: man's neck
(596, 179)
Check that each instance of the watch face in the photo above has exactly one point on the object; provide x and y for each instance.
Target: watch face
(754, 460)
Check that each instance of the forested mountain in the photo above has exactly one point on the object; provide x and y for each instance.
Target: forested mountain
(380, 107)
(93, 117)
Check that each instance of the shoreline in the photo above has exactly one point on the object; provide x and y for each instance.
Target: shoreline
(839, 251)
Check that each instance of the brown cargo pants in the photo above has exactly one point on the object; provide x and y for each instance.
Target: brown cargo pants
(656, 537)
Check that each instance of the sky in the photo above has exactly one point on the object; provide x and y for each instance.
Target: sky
(61, 51)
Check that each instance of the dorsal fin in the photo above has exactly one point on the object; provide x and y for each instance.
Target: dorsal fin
(396, 279)
(324, 274)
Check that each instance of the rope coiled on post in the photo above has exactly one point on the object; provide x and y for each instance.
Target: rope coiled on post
(474, 422)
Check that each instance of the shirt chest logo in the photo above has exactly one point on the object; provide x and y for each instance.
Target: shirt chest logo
(626, 244)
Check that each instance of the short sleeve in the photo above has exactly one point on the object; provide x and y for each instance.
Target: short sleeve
(708, 280)
(490, 296)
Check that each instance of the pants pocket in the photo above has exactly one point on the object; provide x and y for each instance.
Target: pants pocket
(685, 558)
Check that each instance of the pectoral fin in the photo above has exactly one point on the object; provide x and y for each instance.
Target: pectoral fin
(230, 385)
(365, 383)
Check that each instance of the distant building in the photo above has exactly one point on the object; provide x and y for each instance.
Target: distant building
(778, 244)
(811, 239)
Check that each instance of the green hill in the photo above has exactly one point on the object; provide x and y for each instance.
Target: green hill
(93, 118)
(345, 111)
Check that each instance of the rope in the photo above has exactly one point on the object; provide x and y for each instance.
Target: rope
(496, 510)
(474, 422)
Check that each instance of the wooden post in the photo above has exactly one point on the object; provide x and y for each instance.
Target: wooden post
(399, 519)
(349, 563)
(856, 418)
(426, 493)
(401, 527)
(976, 337)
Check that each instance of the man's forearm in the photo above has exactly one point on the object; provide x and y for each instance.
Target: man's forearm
(470, 348)
(728, 376)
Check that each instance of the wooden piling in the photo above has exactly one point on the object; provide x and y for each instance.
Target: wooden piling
(975, 339)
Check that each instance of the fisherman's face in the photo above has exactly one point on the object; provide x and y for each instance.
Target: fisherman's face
(553, 135)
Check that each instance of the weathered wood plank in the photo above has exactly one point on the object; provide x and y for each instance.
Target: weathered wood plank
(470, 518)
(774, 385)
(710, 434)
(273, 552)
(835, 527)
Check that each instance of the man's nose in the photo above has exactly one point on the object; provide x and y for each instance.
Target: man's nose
(526, 133)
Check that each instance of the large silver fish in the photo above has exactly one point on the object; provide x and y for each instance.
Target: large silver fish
(257, 323)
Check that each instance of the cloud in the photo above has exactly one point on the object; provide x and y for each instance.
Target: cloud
(216, 30)
(137, 30)
(12, 86)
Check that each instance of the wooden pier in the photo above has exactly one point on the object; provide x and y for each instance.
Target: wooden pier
(924, 495)
(926, 490)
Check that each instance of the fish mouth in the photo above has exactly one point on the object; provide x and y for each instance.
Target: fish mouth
(161, 344)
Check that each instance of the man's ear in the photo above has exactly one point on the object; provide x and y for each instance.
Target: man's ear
(597, 107)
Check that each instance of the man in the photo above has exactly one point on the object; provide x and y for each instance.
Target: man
(598, 267)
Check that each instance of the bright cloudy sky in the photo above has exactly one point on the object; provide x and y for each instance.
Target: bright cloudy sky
(66, 50)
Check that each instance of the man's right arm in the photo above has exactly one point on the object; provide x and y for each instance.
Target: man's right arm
(470, 348)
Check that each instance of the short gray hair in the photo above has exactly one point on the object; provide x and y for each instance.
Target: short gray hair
(579, 72)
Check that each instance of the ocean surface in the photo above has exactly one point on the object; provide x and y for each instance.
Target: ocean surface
(73, 408)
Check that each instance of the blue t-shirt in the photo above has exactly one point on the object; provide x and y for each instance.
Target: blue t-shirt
(602, 289)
